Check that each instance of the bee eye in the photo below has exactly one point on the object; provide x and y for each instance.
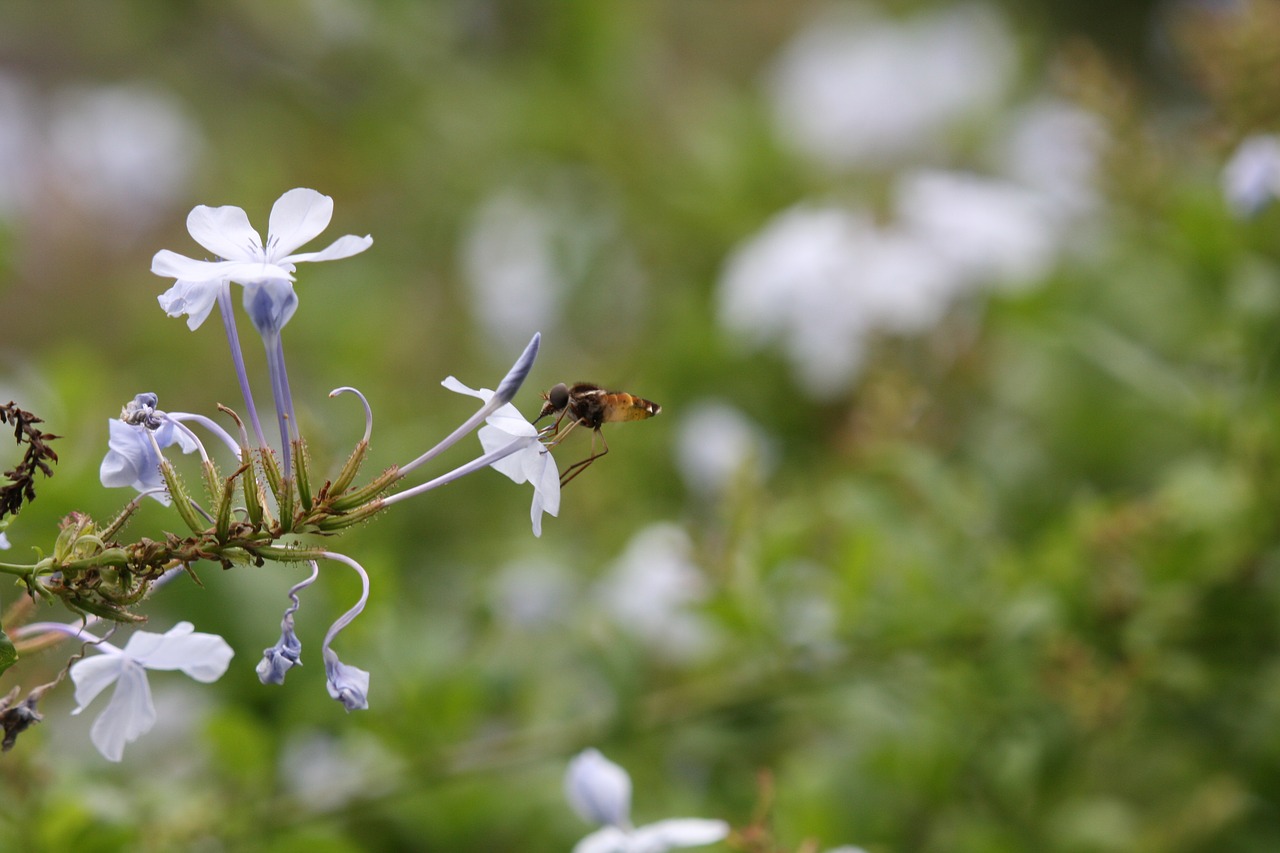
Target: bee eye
(559, 396)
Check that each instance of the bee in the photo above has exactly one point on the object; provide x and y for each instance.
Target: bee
(590, 406)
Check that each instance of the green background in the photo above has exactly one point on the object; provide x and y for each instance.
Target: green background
(1021, 596)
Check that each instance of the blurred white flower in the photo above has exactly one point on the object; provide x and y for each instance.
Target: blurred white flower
(651, 590)
(988, 231)
(19, 133)
(511, 268)
(531, 593)
(1053, 147)
(131, 713)
(600, 792)
(123, 153)
(1251, 178)
(321, 772)
(821, 280)
(534, 254)
(717, 445)
(4, 542)
(865, 91)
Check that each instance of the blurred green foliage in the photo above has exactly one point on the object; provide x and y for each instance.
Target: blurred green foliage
(1015, 590)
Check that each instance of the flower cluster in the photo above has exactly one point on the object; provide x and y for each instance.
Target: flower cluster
(245, 516)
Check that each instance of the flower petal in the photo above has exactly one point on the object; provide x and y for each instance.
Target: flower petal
(297, 217)
(508, 419)
(546, 480)
(204, 657)
(131, 460)
(270, 304)
(677, 832)
(454, 385)
(610, 839)
(94, 674)
(226, 232)
(348, 684)
(172, 265)
(129, 715)
(343, 247)
(193, 298)
(598, 789)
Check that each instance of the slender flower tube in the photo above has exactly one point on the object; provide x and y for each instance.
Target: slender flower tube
(270, 305)
(506, 392)
(507, 435)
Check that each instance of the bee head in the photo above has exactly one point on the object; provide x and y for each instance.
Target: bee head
(556, 399)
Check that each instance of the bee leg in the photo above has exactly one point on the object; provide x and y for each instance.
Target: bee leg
(553, 438)
(551, 428)
(578, 467)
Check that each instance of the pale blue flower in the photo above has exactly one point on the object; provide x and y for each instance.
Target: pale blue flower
(348, 684)
(287, 652)
(131, 713)
(132, 457)
(270, 304)
(600, 792)
(297, 217)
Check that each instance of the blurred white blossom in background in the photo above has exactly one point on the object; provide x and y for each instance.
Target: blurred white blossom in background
(1251, 179)
(717, 446)
(121, 155)
(821, 280)
(533, 256)
(512, 268)
(124, 153)
(652, 591)
(530, 593)
(19, 141)
(1053, 147)
(323, 772)
(857, 90)
(986, 232)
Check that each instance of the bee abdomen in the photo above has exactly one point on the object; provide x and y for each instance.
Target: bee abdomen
(621, 406)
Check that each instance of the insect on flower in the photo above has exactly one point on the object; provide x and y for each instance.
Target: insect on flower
(593, 407)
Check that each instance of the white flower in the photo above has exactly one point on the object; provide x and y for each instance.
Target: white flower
(863, 91)
(131, 713)
(4, 542)
(652, 591)
(132, 460)
(987, 230)
(297, 217)
(600, 791)
(1251, 178)
(717, 447)
(122, 153)
(533, 463)
(1054, 147)
(821, 280)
